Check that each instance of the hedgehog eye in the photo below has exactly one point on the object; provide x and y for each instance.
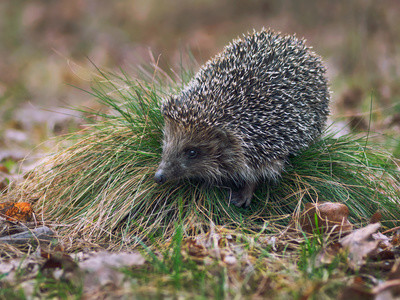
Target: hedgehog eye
(192, 153)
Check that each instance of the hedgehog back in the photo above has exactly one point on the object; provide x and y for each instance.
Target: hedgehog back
(268, 90)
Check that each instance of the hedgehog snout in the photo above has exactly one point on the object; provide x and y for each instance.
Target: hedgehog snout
(159, 177)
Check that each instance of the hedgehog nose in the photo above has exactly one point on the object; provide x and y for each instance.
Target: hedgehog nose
(159, 177)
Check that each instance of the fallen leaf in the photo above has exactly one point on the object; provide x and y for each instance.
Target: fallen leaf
(384, 249)
(376, 217)
(218, 244)
(102, 268)
(20, 211)
(11, 268)
(359, 244)
(58, 260)
(325, 217)
(195, 250)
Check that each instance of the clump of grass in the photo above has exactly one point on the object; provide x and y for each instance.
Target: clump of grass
(102, 186)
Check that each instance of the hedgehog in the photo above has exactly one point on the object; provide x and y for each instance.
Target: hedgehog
(261, 100)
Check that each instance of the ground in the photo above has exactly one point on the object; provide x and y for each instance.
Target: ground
(50, 55)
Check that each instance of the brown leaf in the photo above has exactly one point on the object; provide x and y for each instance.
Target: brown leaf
(376, 217)
(20, 211)
(360, 243)
(327, 217)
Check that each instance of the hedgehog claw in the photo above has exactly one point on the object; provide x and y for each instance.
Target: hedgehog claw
(242, 196)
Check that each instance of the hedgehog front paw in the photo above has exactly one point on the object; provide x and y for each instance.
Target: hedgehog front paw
(239, 200)
(242, 196)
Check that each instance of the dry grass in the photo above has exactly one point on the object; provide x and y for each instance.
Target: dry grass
(101, 188)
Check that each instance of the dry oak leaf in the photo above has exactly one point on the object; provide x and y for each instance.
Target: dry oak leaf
(20, 211)
(326, 217)
(360, 243)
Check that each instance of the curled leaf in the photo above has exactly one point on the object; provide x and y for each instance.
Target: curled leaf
(325, 217)
(360, 243)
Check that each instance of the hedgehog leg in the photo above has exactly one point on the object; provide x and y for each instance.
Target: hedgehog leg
(242, 196)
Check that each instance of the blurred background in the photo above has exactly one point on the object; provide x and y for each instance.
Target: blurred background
(46, 48)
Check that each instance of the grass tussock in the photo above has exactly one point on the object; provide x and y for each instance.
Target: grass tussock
(102, 186)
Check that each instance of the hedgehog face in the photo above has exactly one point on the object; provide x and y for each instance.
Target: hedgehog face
(200, 153)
